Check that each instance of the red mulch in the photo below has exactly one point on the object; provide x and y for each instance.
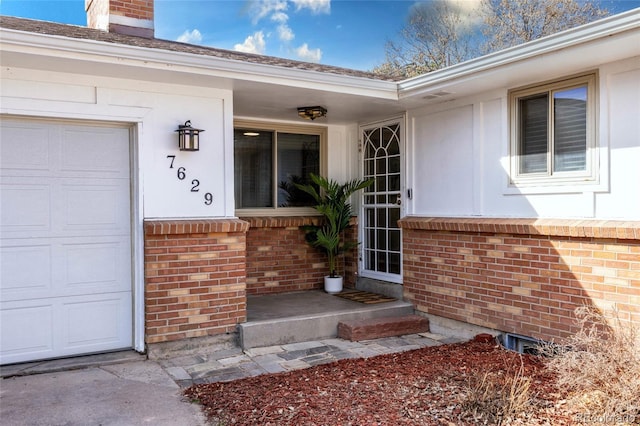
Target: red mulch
(421, 387)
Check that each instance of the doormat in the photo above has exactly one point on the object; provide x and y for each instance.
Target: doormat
(364, 297)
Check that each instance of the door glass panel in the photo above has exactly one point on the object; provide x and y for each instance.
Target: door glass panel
(390, 136)
(369, 168)
(394, 240)
(381, 242)
(381, 260)
(394, 165)
(394, 263)
(394, 217)
(394, 183)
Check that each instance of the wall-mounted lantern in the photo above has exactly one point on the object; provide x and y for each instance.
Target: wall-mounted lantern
(311, 112)
(188, 137)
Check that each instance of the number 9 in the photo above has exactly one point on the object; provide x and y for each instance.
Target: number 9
(208, 198)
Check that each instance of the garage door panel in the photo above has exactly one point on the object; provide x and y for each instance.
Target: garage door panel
(97, 208)
(25, 270)
(24, 148)
(92, 151)
(24, 207)
(63, 207)
(65, 326)
(97, 324)
(34, 319)
(95, 267)
(44, 268)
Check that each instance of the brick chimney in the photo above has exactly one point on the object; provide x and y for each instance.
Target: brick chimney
(130, 17)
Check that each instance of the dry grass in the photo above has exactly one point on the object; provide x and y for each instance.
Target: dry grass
(600, 366)
(498, 398)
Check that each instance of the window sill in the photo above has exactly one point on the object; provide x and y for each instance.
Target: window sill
(550, 186)
(280, 212)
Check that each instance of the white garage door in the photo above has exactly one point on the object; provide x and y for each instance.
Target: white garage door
(65, 240)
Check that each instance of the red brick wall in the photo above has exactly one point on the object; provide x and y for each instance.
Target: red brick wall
(521, 276)
(194, 278)
(279, 259)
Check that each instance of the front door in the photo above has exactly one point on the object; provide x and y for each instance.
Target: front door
(382, 153)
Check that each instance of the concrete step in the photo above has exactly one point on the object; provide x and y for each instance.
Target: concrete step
(315, 326)
(375, 328)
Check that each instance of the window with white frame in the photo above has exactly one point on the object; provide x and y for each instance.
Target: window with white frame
(553, 132)
(269, 159)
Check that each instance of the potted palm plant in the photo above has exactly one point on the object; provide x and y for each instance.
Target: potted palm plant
(332, 202)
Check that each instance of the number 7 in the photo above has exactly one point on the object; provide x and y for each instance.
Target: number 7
(173, 158)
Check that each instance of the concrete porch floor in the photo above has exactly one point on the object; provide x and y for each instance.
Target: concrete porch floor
(286, 318)
(282, 305)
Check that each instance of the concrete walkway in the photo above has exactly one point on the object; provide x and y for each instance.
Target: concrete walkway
(135, 391)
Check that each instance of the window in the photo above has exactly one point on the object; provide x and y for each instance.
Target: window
(553, 132)
(269, 159)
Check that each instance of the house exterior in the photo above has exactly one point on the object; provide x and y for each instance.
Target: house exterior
(506, 195)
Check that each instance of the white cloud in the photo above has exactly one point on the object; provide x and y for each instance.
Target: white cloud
(467, 5)
(192, 37)
(469, 10)
(262, 8)
(315, 6)
(280, 17)
(309, 55)
(285, 33)
(252, 44)
(277, 12)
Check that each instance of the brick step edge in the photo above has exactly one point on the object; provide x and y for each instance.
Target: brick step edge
(375, 328)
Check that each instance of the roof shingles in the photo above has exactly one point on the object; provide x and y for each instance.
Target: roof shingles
(78, 32)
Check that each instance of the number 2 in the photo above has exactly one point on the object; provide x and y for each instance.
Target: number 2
(196, 184)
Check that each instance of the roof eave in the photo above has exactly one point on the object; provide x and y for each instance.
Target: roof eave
(30, 43)
(613, 25)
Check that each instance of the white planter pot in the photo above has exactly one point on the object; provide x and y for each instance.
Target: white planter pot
(332, 285)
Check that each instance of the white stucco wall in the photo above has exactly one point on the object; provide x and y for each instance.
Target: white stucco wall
(458, 157)
(154, 112)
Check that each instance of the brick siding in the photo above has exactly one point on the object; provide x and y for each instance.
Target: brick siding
(195, 278)
(279, 259)
(518, 275)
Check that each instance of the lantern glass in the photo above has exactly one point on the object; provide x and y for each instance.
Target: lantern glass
(188, 137)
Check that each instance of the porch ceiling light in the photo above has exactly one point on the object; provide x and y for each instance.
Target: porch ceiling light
(188, 137)
(311, 112)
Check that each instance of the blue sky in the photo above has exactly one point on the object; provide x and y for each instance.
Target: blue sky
(347, 33)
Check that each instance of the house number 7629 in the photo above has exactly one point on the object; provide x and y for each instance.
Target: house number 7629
(181, 174)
